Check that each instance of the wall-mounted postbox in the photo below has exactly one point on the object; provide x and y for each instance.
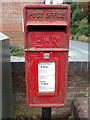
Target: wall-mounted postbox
(46, 31)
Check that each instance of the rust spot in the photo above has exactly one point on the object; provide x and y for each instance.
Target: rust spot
(32, 49)
(27, 65)
(60, 94)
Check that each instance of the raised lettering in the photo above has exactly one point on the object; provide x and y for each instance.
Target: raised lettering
(47, 14)
(38, 15)
(30, 15)
(60, 15)
(41, 14)
(63, 15)
(51, 14)
(54, 14)
(39, 43)
(33, 15)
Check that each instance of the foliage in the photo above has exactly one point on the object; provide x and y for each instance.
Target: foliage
(70, 118)
(16, 50)
(77, 16)
(79, 19)
(85, 7)
(83, 28)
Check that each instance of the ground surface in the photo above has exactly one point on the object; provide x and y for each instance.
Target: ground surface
(79, 50)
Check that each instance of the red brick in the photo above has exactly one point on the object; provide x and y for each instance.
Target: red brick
(77, 87)
(11, 23)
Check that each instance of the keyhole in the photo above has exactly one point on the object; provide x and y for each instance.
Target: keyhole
(35, 79)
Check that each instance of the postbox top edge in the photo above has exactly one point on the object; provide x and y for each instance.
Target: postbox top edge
(46, 6)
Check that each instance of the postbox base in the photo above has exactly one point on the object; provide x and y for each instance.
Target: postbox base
(46, 105)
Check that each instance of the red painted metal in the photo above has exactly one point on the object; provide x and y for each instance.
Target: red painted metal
(46, 29)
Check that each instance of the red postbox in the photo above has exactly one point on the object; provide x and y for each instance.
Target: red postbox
(46, 31)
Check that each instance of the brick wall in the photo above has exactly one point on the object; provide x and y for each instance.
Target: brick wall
(11, 19)
(80, 108)
(77, 87)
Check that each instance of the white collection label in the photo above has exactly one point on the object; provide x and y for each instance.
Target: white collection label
(46, 76)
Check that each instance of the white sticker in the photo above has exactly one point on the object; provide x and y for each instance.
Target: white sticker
(46, 76)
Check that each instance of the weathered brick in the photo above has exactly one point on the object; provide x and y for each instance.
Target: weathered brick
(14, 66)
(71, 66)
(11, 22)
(78, 66)
(84, 65)
(20, 96)
(80, 108)
(20, 66)
(77, 87)
(19, 102)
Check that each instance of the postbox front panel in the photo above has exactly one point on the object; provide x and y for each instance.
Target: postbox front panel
(42, 73)
(46, 31)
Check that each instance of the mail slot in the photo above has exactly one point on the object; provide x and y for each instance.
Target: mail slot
(46, 44)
